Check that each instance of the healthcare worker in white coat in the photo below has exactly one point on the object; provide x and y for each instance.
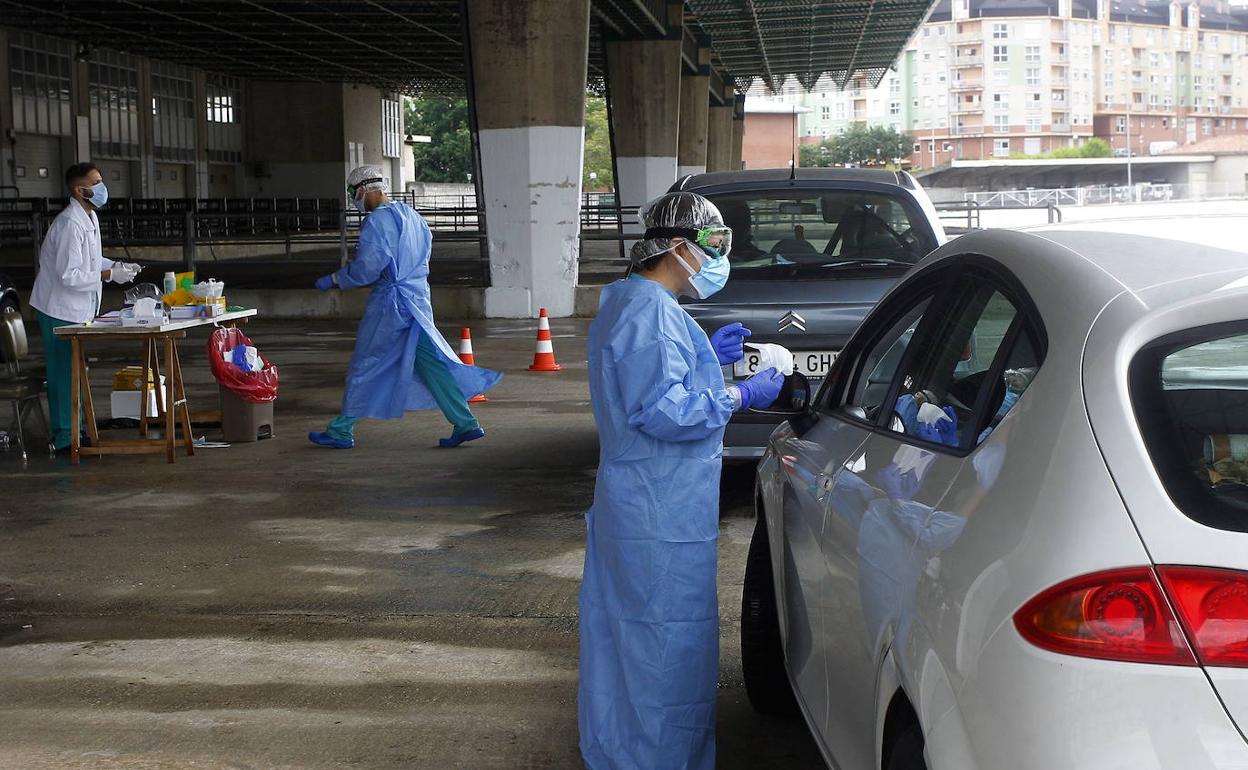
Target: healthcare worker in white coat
(649, 613)
(69, 285)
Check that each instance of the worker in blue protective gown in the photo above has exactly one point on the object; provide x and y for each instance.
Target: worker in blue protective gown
(401, 361)
(648, 607)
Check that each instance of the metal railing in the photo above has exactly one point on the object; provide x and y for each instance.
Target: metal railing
(1100, 195)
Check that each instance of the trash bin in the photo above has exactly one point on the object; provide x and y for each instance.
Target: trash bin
(246, 396)
(243, 421)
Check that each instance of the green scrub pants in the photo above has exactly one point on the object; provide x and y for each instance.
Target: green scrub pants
(437, 377)
(58, 353)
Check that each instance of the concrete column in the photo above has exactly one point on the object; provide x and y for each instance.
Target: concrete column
(718, 137)
(7, 118)
(78, 146)
(645, 108)
(146, 165)
(694, 116)
(199, 81)
(738, 131)
(528, 78)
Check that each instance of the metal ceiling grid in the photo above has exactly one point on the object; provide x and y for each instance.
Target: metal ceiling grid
(416, 46)
(806, 39)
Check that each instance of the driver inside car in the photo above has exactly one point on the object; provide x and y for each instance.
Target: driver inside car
(920, 415)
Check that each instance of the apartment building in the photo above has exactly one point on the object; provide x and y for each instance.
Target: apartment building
(999, 78)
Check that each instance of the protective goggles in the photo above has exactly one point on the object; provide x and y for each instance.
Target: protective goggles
(715, 237)
(353, 190)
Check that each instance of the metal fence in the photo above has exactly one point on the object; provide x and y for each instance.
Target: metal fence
(1100, 195)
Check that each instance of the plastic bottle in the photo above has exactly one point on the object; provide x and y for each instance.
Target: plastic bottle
(171, 283)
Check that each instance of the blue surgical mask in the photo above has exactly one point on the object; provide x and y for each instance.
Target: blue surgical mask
(712, 276)
(359, 205)
(1011, 398)
(99, 195)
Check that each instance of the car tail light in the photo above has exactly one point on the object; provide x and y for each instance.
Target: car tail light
(1213, 607)
(1113, 615)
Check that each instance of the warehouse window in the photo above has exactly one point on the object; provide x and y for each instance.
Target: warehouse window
(114, 98)
(392, 126)
(225, 117)
(39, 70)
(173, 112)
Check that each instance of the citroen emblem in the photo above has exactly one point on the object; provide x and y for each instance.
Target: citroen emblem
(792, 320)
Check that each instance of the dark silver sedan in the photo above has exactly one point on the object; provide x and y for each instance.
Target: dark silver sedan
(813, 251)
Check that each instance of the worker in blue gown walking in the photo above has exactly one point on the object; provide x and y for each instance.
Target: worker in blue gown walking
(648, 606)
(401, 361)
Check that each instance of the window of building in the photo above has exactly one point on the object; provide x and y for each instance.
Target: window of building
(1121, 124)
(1033, 124)
(39, 82)
(113, 80)
(1031, 77)
(894, 108)
(225, 130)
(1001, 148)
(1000, 123)
(1000, 100)
(173, 113)
(1000, 77)
(1000, 54)
(1031, 54)
(1000, 30)
(391, 126)
(825, 112)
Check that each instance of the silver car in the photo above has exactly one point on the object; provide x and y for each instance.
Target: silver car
(1035, 556)
(813, 251)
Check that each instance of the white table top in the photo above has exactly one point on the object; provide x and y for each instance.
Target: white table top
(92, 327)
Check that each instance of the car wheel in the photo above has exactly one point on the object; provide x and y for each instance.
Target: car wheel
(762, 654)
(907, 752)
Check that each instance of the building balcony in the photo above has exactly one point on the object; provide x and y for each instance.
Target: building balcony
(1059, 35)
(974, 35)
(1061, 128)
(966, 85)
(967, 109)
(1059, 59)
(960, 62)
(963, 131)
(1059, 81)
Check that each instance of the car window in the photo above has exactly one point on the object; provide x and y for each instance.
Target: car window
(874, 375)
(790, 233)
(941, 385)
(1021, 366)
(1190, 397)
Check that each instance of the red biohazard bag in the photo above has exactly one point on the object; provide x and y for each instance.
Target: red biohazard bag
(255, 387)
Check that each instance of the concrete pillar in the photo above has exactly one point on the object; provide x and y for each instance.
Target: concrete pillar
(738, 131)
(528, 82)
(7, 118)
(78, 146)
(645, 89)
(146, 165)
(694, 114)
(199, 81)
(719, 138)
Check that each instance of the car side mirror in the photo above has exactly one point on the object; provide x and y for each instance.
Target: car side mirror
(794, 398)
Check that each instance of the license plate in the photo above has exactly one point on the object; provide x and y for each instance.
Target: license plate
(812, 363)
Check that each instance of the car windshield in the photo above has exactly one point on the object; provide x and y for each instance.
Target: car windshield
(821, 233)
(1191, 400)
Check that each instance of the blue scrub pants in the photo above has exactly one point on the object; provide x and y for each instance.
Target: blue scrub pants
(58, 357)
(435, 373)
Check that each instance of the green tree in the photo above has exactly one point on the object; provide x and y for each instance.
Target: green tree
(448, 155)
(597, 146)
(875, 146)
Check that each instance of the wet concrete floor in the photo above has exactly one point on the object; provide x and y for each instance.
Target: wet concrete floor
(279, 605)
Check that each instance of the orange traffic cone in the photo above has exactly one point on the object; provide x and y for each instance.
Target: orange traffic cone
(544, 357)
(465, 355)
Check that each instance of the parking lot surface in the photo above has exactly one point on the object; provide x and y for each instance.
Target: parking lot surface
(280, 605)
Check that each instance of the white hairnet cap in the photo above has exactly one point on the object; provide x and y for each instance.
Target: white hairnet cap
(366, 178)
(674, 210)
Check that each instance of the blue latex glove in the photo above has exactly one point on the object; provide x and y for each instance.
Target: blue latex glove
(325, 282)
(729, 343)
(761, 390)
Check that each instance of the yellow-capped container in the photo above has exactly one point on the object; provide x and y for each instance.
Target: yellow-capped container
(129, 377)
